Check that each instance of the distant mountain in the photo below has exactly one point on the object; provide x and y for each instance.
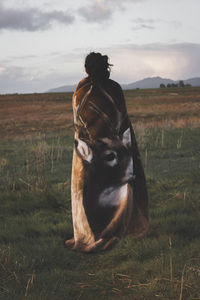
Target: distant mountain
(64, 88)
(154, 82)
(193, 81)
(146, 83)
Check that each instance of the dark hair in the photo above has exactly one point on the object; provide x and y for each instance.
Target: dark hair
(97, 66)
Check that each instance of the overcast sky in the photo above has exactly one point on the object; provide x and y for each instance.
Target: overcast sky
(43, 43)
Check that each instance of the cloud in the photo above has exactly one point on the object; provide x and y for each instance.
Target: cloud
(32, 73)
(119, 3)
(11, 79)
(16, 79)
(31, 19)
(1, 69)
(134, 62)
(141, 23)
(99, 11)
(131, 63)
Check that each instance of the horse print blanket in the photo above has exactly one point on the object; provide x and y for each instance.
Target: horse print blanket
(108, 188)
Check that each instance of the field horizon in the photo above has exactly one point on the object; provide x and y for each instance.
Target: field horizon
(36, 143)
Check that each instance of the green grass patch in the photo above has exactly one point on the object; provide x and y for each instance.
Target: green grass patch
(35, 220)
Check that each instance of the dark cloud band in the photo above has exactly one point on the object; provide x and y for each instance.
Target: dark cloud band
(31, 19)
(99, 11)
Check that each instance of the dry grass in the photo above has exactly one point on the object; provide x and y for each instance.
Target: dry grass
(29, 114)
(165, 110)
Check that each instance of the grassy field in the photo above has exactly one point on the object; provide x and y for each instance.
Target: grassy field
(36, 142)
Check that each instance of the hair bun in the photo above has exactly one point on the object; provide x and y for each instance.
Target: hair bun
(97, 66)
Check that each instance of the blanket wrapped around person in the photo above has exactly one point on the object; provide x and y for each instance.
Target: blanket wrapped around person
(108, 187)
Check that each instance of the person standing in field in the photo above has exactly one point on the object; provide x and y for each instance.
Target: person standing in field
(108, 189)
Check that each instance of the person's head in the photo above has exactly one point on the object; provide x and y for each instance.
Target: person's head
(97, 66)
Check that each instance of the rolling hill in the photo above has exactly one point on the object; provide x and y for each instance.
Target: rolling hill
(146, 83)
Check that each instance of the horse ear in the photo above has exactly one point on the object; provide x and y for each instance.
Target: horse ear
(84, 150)
(126, 137)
